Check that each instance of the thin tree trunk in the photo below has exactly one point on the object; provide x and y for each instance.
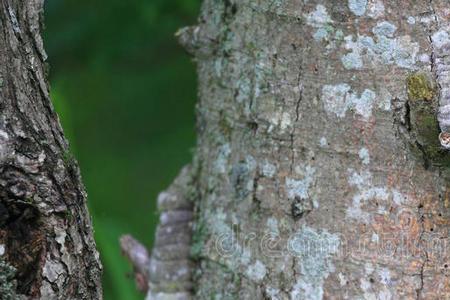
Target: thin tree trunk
(46, 243)
(318, 171)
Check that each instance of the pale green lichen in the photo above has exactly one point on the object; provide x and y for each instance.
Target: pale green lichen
(257, 271)
(241, 179)
(217, 282)
(221, 163)
(352, 60)
(320, 19)
(199, 236)
(323, 142)
(375, 9)
(367, 192)
(300, 187)
(314, 250)
(339, 35)
(440, 38)
(7, 282)
(358, 7)
(222, 232)
(384, 29)
(262, 72)
(268, 169)
(382, 49)
(411, 20)
(364, 155)
(272, 225)
(338, 99)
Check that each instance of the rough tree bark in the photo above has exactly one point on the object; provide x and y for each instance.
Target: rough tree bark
(318, 171)
(47, 250)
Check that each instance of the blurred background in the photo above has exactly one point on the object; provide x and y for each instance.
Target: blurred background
(125, 93)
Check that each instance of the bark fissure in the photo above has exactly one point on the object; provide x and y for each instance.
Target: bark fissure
(423, 251)
(292, 135)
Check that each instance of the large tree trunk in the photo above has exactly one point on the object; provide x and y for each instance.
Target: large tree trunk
(47, 249)
(318, 171)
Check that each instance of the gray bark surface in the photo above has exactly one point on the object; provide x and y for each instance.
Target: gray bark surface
(47, 250)
(317, 174)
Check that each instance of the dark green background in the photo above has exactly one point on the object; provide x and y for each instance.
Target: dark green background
(125, 92)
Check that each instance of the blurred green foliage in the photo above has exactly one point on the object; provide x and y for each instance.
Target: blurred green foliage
(125, 93)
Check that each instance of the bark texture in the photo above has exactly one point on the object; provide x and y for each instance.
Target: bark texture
(318, 170)
(47, 249)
